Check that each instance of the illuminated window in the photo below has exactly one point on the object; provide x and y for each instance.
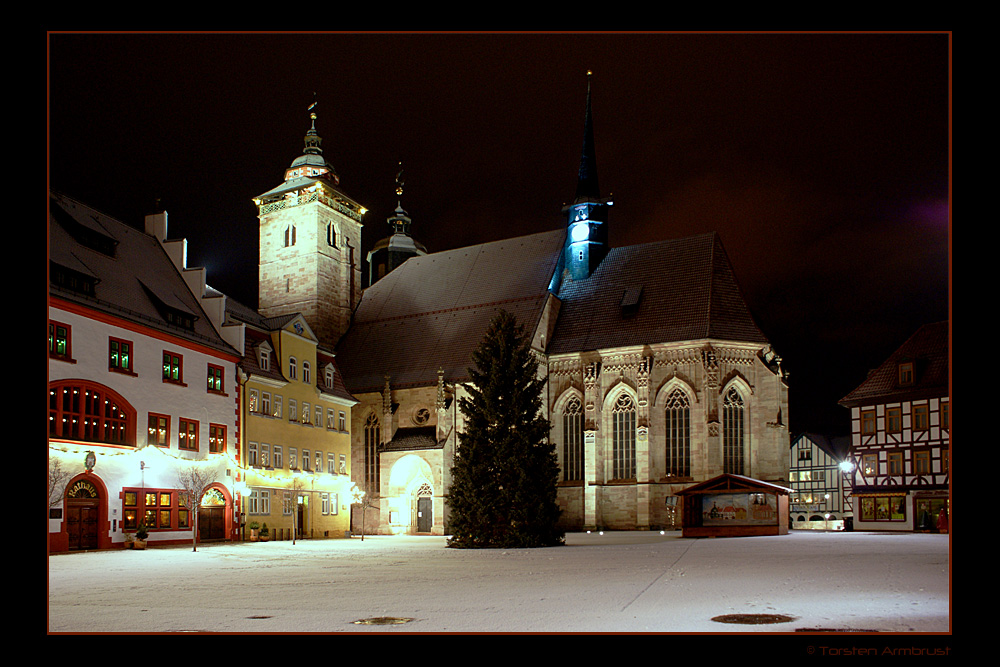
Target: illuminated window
(732, 433)
(156, 507)
(119, 355)
(158, 430)
(869, 464)
(678, 436)
(276, 403)
(173, 367)
(265, 455)
(59, 340)
(85, 411)
(623, 438)
(187, 435)
(216, 438)
(215, 377)
(254, 400)
(573, 440)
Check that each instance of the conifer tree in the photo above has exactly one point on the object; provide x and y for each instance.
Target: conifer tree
(503, 490)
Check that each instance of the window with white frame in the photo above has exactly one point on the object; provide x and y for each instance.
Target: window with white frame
(265, 455)
(252, 454)
(278, 463)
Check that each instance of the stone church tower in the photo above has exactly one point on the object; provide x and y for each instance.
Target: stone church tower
(310, 245)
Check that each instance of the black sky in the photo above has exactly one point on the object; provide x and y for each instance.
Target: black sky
(823, 160)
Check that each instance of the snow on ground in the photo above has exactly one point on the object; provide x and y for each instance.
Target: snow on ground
(616, 582)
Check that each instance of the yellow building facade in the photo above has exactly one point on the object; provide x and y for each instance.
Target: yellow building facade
(295, 419)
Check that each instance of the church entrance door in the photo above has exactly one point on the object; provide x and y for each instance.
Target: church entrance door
(81, 523)
(425, 514)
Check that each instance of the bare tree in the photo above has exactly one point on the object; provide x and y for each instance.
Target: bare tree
(193, 480)
(57, 482)
(367, 500)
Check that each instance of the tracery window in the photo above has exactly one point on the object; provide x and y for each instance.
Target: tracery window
(573, 440)
(678, 434)
(732, 433)
(623, 438)
(372, 437)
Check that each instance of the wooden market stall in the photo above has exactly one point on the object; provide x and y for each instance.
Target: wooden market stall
(734, 506)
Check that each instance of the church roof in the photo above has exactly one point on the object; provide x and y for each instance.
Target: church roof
(928, 350)
(667, 291)
(433, 311)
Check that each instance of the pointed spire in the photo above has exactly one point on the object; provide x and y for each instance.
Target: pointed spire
(587, 187)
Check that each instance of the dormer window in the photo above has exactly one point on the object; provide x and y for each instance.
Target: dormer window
(328, 377)
(906, 373)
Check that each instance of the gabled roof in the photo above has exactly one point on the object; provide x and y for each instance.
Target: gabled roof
(837, 446)
(928, 349)
(729, 482)
(133, 276)
(433, 311)
(676, 290)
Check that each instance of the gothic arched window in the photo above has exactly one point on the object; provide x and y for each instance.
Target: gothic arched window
(572, 440)
(289, 235)
(372, 437)
(678, 434)
(732, 433)
(331, 235)
(623, 438)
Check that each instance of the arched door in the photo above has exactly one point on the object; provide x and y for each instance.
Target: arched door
(83, 504)
(425, 509)
(212, 516)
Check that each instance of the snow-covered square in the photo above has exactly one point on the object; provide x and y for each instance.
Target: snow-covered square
(615, 582)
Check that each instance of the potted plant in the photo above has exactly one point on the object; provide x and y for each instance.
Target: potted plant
(129, 540)
(254, 530)
(140, 536)
(265, 534)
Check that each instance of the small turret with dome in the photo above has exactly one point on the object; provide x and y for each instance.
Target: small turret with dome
(393, 250)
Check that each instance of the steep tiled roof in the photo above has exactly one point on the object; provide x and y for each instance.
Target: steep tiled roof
(432, 311)
(134, 277)
(675, 290)
(837, 446)
(928, 350)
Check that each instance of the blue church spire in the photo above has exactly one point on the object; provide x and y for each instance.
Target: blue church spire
(587, 216)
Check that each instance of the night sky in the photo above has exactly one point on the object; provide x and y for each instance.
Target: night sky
(822, 160)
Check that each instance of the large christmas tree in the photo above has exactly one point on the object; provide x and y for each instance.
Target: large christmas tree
(503, 490)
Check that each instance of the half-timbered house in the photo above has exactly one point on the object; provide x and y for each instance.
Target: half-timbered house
(900, 437)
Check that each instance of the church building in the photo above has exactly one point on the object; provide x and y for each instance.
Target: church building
(657, 376)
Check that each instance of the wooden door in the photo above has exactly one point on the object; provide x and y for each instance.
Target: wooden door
(81, 523)
(425, 514)
(212, 523)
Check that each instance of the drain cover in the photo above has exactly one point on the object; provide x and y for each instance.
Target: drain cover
(383, 620)
(257, 617)
(753, 619)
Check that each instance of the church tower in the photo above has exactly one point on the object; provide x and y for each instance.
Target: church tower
(310, 244)
(587, 216)
(393, 250)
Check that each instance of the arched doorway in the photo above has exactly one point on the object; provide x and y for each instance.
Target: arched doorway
(425, 508)
(212, 515)
(83, 511)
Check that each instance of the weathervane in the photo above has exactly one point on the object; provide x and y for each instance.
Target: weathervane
(399, 180)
